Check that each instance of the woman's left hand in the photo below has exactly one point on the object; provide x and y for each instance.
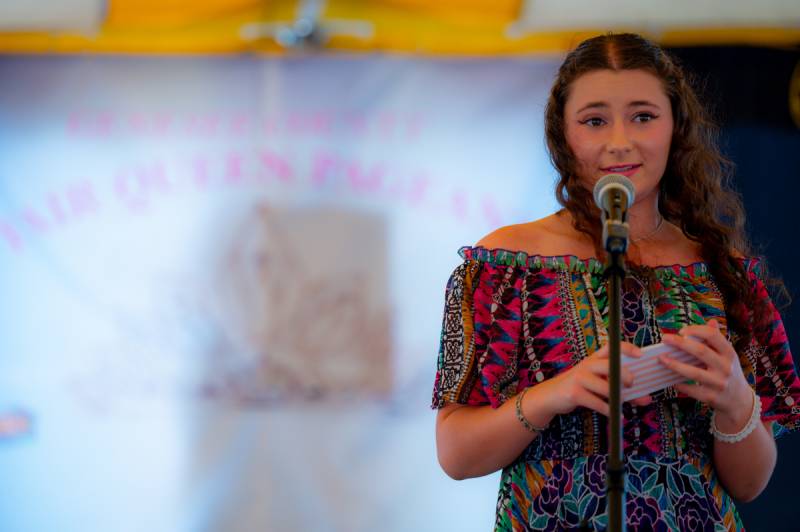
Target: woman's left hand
(721, 383)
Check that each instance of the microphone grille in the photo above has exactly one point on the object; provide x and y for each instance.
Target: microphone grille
(613, 181)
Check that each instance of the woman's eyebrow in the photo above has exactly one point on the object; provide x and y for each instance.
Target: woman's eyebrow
(602, 105)
(592, 105)
(638, 103)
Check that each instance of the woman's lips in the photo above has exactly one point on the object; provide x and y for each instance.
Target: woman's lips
(623, 169)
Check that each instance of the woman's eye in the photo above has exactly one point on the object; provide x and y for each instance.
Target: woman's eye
(594, 122)
(643, 117)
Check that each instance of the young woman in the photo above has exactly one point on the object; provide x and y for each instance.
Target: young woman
(522, 372)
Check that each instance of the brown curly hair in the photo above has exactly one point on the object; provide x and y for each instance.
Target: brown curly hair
(694, 190)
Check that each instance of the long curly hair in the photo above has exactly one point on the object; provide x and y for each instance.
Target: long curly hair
(694, 191)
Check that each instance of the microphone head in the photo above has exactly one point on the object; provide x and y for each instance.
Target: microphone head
(612, 181)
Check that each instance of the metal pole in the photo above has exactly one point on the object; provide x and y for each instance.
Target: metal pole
(615, 468)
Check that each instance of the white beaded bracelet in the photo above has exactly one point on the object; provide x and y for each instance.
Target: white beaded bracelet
(752, 423)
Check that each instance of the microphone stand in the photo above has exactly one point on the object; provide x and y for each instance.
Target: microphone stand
(615, 240)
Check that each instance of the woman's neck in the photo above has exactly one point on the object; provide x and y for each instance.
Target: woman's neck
(644, 219)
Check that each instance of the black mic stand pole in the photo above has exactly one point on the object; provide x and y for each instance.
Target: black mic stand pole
(615, 240)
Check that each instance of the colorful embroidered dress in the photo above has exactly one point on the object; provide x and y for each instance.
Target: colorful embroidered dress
(513, 320)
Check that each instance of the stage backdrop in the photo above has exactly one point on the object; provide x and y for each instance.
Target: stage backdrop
(222, 284)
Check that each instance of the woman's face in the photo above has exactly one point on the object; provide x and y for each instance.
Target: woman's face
(619, 122)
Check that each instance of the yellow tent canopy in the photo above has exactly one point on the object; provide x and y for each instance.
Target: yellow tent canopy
(453, 27)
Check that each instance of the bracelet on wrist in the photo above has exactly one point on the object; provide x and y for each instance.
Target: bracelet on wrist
(521, 417)
(752, 423)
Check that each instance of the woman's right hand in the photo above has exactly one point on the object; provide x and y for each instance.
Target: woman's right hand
(586, 384)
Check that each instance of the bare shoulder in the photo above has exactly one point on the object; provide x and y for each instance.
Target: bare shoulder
(510, 237)
(551, 235)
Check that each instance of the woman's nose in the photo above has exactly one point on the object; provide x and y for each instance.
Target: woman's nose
(619, 141)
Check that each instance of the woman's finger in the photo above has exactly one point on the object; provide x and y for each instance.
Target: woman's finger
(595, 384)
(699, 350)
(631, 350)
(600, 368)
(590, 400)
(700, 393)
(596, 366)
(627, 377)
(602, 352)
(642, 401)
(711, 335)
(626, 348)
(707, 378)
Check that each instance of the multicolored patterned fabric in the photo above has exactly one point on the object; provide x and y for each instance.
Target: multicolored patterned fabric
(513, 320)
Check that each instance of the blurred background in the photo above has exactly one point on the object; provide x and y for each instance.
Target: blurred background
(226, 227)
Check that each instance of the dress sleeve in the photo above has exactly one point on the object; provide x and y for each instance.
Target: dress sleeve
(457, 375)
(774, 373)
(479, 353)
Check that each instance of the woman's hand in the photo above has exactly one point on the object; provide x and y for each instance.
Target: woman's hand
(721, 383)
(587, 384)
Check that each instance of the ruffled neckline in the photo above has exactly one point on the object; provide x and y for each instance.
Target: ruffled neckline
(573, 263)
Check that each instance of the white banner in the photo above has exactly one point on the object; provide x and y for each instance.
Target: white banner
(222, 284)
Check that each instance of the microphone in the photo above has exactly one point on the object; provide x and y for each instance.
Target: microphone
(614, 194)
